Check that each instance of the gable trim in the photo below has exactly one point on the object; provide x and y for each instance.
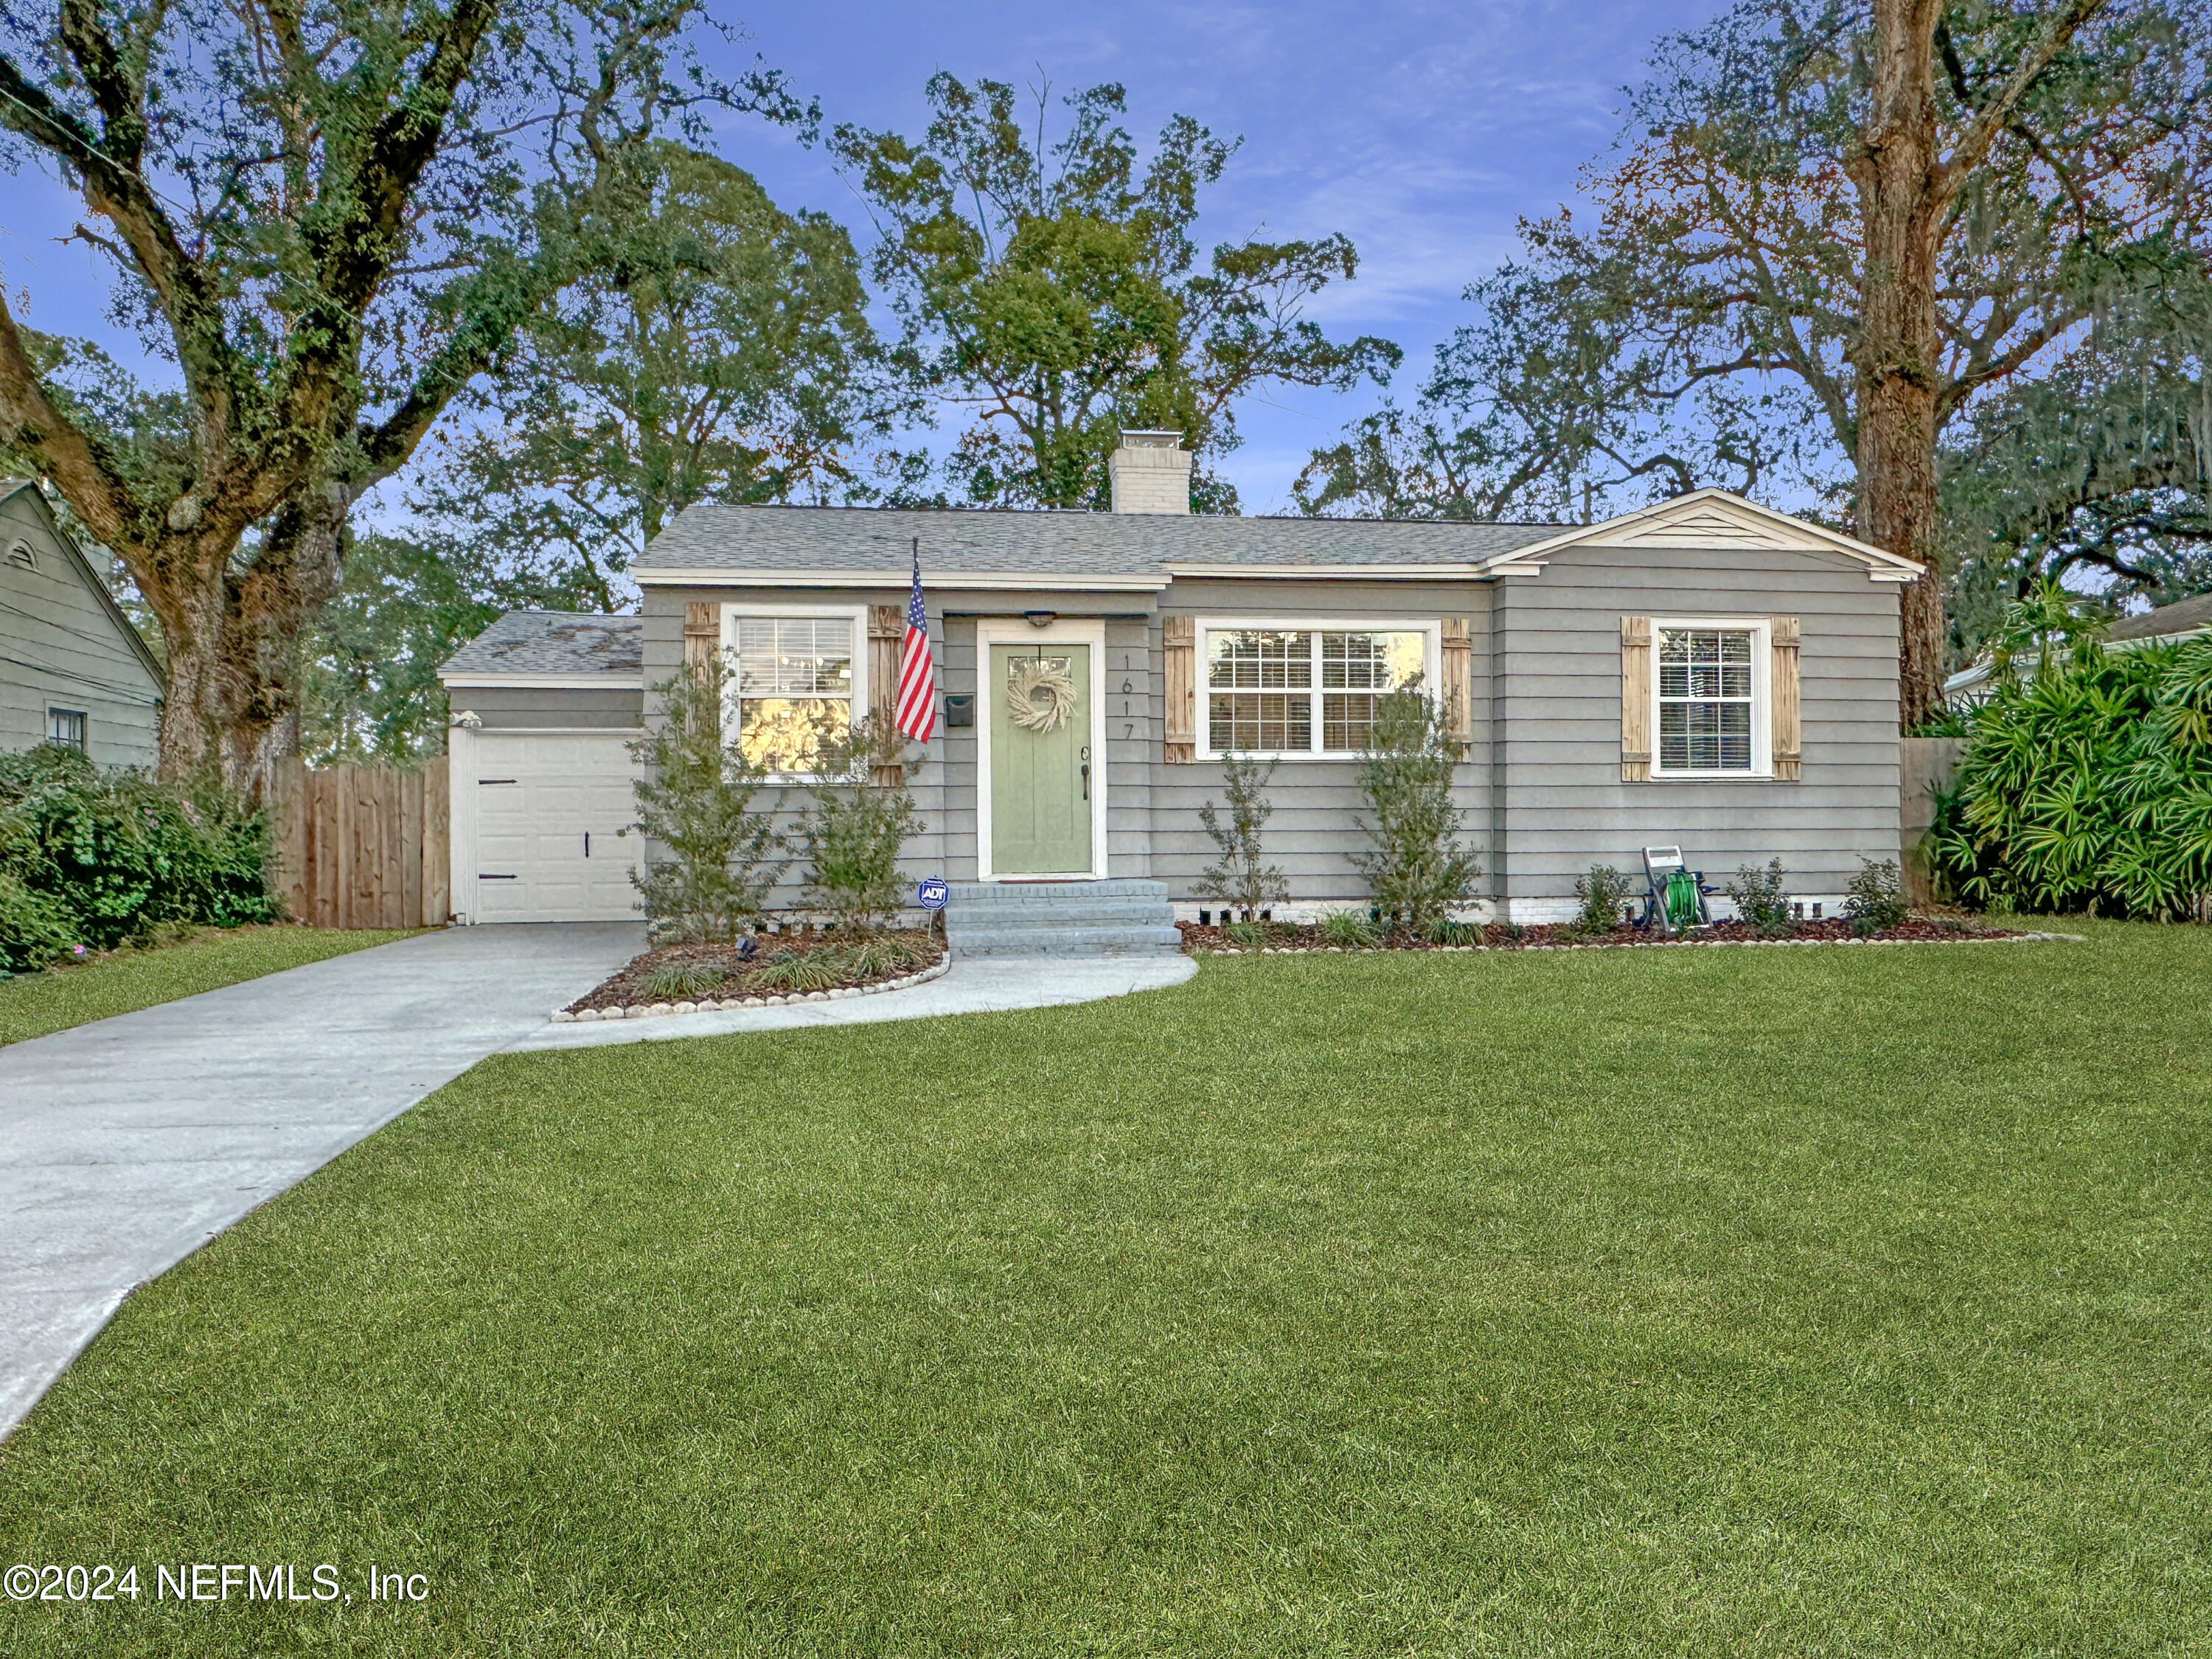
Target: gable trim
(1709, 516)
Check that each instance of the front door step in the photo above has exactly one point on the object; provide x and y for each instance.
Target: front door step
(1122, 917)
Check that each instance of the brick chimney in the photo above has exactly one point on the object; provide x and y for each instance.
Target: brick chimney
(1150, 473)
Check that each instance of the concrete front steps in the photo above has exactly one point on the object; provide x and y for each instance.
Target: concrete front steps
(1126, 918)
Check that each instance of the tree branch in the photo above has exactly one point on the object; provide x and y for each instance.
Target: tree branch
(1996, 113)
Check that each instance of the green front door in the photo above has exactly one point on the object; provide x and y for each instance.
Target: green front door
(1041, 774)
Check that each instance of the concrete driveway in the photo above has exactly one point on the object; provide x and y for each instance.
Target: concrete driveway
(127, 1144)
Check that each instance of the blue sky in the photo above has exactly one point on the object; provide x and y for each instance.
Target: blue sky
(1421, 130)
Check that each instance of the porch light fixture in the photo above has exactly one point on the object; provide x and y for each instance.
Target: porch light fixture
(1040, 618)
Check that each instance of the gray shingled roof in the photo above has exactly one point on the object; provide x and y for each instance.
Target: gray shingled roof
(2176, 618)
(709, 538)
(554, 642)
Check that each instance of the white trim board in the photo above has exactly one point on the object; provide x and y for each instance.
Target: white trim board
(465, 681)
(1073, 630)
(1714, 519)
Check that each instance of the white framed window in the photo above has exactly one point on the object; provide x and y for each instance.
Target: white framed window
(1294, 688)
(795, 671)
(1710, 697)
(66, 727)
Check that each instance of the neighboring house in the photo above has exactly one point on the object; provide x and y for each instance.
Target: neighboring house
(73, 670)
(2184, 619)
(1704, 672)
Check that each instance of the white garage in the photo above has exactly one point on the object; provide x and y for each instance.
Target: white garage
(542, 804)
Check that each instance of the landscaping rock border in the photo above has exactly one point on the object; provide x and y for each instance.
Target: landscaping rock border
(730, 1005)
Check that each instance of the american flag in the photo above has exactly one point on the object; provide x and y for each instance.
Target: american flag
(917, 692)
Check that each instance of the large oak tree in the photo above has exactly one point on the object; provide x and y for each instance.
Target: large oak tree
(1829, 230)
(327, 217)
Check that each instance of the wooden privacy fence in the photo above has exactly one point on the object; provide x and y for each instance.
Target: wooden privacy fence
(363, 846)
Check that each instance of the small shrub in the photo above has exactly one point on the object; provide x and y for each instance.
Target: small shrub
(1248, 933)
(1762, 901)
(1243, 879)
(890, 954)
(857, 823)
(1876, 900)
(1603, 891)
(1347, 929)
(789, 970)
(1448, 932)
(695, 803)
(683, 982)
(1418, 868)
(1511, 931)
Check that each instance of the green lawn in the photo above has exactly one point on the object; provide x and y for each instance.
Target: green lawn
(1705, 1301)
(34, 1004)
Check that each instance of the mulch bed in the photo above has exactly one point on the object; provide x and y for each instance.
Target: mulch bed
(1926, 930)
(741, 976)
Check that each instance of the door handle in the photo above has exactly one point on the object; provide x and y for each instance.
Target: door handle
(587, 843)
(1086, 771)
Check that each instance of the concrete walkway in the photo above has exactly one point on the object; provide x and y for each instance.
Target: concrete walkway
(972, 987)
(127, 1144)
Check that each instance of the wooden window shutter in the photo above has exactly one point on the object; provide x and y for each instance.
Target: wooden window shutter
(1180, 637)
(1459, 677)
(702, 638)
(1789, 726)
(886, 633)
(702, 632)
(1635, 699)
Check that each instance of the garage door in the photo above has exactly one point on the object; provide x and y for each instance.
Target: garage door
(552, 827)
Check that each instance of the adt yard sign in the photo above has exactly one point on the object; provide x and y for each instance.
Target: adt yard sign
(931, 893)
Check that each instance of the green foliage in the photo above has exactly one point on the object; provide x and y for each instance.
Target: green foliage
(1249, 935)
(1054, 288)
(2088, 785)
(1417, 868)
(682, 982)
(1242, 878)
(1762, 899)
(857, 822)
(1347, 929)
(1876, 900)
(722, 353)
(890, 952)
(35, 928)
(370, 690)
(1603, 891)
(97, 859)
(695, 803)
(794, 970)
(1448, 932)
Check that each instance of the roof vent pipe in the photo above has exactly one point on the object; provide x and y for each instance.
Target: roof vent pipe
(1150, 473)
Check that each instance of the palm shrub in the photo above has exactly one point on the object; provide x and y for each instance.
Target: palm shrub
(2087, 785)
(712, 858)
(856, 823)
(1243, 879)
(1417, 868)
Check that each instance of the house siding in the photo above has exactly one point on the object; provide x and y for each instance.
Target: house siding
(1541, 786)
(549, 708)
(60, 647)
(1312, 832)
(1560, 805)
